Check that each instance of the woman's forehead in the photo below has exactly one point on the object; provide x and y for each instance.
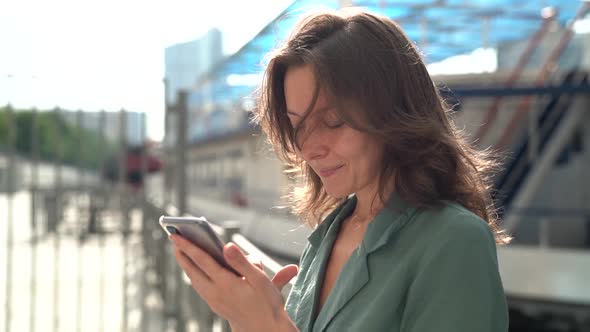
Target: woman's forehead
(299, 107)
(301, 89)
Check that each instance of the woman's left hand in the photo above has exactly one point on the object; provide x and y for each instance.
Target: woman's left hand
(249, 303)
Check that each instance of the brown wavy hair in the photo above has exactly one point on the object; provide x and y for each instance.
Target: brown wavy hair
(365, 61)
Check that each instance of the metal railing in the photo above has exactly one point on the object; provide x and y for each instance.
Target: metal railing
(48, 206)
(549, 67)
(534, 41)
(90, 246)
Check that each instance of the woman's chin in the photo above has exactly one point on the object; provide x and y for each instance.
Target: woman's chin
(337, 192)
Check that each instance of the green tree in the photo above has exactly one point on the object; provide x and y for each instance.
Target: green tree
(57, 140)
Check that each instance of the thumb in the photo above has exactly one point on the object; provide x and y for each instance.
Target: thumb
(284, 276)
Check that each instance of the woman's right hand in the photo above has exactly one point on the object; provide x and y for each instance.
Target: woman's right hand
(256, 262)
(256, 301)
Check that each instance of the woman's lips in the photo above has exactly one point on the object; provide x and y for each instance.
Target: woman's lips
(329, 171)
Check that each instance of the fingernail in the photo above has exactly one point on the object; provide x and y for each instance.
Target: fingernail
(172, 238)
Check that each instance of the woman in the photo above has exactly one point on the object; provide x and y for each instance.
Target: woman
(405, 230)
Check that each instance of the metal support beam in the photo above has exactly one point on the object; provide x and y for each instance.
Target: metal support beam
(572, 120)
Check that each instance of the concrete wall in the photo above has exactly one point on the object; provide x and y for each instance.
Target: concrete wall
(241, 164)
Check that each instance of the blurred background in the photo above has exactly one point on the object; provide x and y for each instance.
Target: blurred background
(113, 113)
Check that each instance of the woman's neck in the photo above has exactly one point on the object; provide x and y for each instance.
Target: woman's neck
(367, 207)
(369, 202)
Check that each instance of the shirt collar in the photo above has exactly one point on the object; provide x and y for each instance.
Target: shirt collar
(335, 217)
(390, 219)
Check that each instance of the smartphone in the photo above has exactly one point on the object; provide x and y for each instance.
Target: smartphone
(199, 232)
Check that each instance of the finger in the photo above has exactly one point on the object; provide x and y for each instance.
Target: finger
(199, 257)
(255, 261)
(236, 259)
(198, 278)
(284, 276)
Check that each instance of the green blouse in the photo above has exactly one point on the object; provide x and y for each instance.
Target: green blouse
(416, 270)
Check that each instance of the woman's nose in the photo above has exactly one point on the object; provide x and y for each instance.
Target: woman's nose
(313, 145)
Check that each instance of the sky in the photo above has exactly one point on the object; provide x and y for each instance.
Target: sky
(109, 54)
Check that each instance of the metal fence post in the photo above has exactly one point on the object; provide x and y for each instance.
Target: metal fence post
(182, 128)
(144, 238)
(80, 228)
(94, 218)
(181, 116)
(124, 209)
(57, 200)
(34, 195)
(10, 188)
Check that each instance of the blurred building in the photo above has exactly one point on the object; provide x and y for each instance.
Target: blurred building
(186, 62)
(112, 127)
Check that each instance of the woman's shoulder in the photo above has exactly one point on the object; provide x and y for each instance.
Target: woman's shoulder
(446, 239)
(452, 219)
(449, 227)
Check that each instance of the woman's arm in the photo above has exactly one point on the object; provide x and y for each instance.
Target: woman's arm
(252, 302)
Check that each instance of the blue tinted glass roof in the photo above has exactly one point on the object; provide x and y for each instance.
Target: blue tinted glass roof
(441, 28)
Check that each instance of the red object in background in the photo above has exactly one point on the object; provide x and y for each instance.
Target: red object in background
(238, 199)
(134, 163)
(134, 167)
(134, 173)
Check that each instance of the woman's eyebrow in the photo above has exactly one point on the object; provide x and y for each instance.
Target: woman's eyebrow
(321, 109)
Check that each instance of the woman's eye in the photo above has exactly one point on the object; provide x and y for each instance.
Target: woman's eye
(333, 124)
(332, 120)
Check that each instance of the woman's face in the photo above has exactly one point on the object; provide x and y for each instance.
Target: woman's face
(346, 160)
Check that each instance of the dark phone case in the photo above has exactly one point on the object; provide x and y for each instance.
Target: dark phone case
(199, 232)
